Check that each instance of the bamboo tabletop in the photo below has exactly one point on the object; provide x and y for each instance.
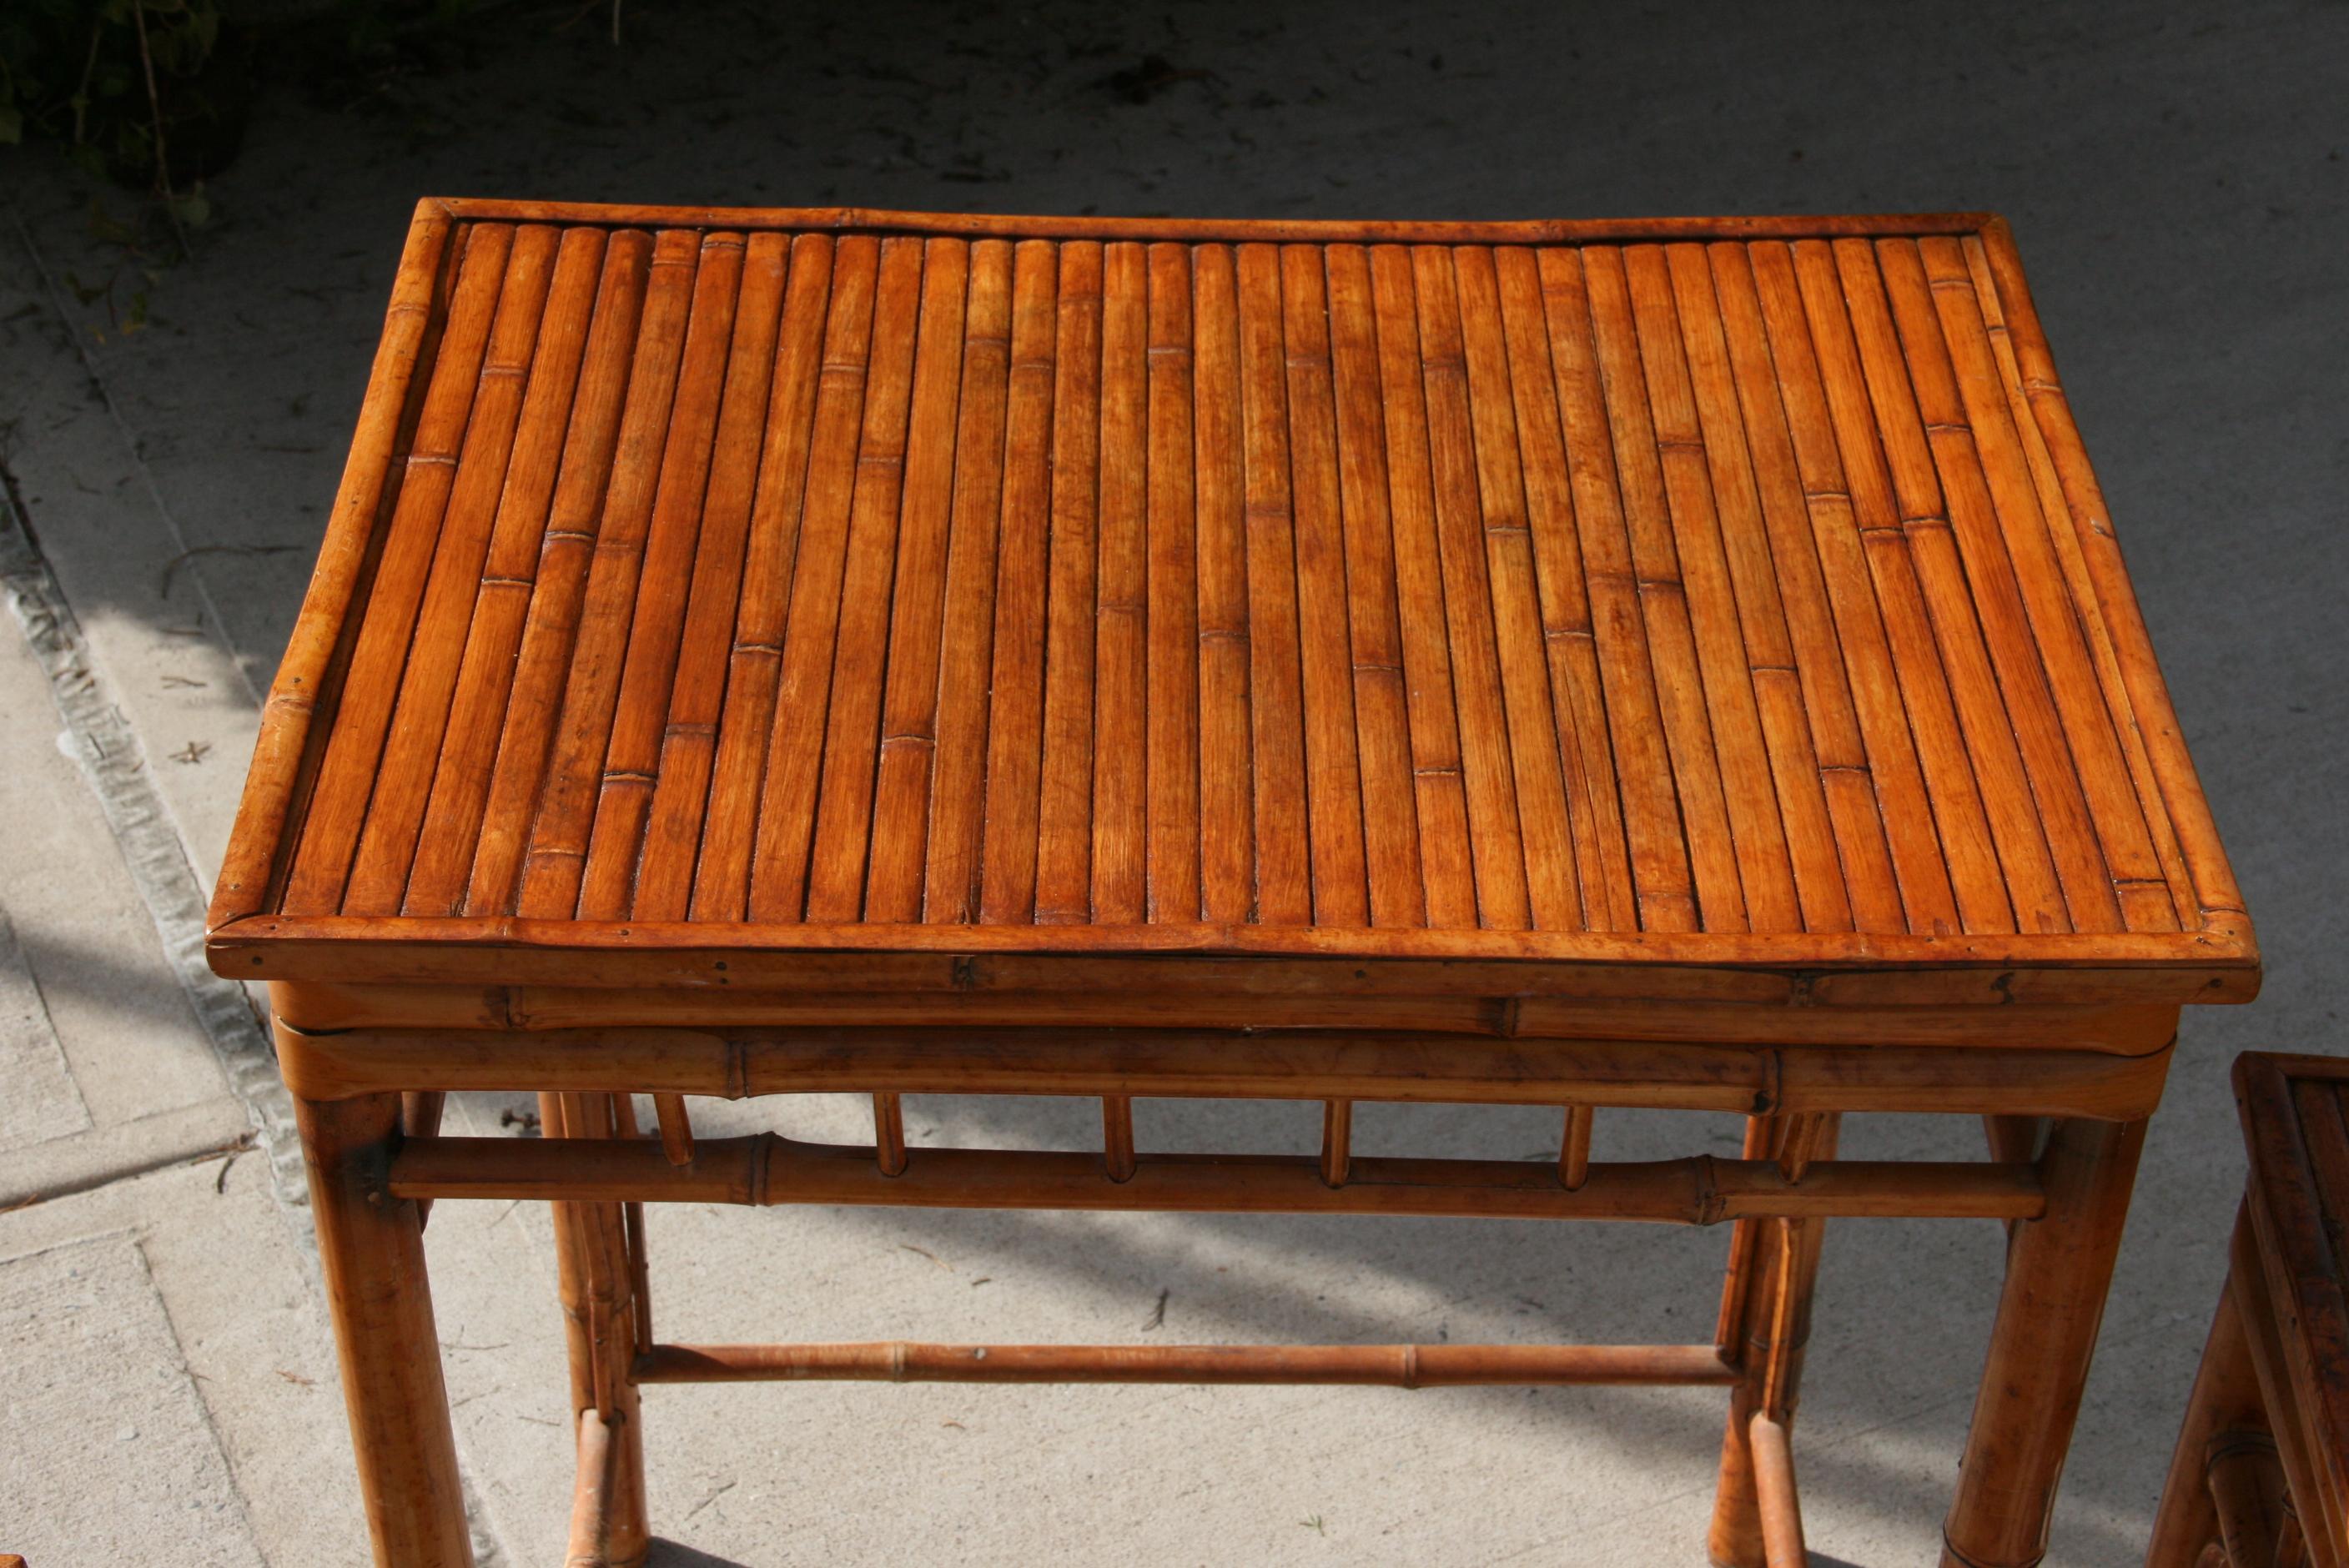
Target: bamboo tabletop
(1710, 593)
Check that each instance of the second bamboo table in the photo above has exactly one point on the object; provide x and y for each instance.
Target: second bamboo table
(2261, 1475)
(1673, 664)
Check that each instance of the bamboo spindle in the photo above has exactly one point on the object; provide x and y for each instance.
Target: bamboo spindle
(419, 1117)
(1337, 1140)
(676, 1127)
(1774, 1487)
(607, 1322)
(1382, 1366)
(632, 1223)
(889, 1134)
(570, 1271)
(1117, 1137)
(1736, 1284)
(1798, 1144)
(1574, 1146)
(1777, 1395)
(1766, 1323)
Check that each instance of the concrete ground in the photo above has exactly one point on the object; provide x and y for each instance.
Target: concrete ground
(2177, 184)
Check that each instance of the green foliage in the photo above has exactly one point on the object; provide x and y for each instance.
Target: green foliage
(79, 72)
(154, 95)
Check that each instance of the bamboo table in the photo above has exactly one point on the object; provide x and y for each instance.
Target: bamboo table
(2261, 1470)
(1670, 664)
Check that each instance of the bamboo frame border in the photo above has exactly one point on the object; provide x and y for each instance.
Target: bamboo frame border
(1750, 1080)
(1207, 231)
(2216, 964)
(2182, 797)
(243, 942)
(259, 837)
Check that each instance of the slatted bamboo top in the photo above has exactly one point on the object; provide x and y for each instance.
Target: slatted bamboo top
(2295, 1116)
(1708, 591)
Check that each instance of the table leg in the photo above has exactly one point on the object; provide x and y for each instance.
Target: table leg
(2058, 1268)
(1766, 1317)
(597, 1279)
(371, 1251)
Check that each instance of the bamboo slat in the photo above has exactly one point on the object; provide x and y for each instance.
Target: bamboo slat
(536, 692)
(1659, 850)
(1063, 852)
(1120, 789)
(554, 863)
(1438, 784)
(335, 813)
(655, 613)
(1644, 589)
(428, 681)
(1007, 891)
(787, 801)
(753, 669)
(1655, 565)
(1283, 858)
(1535, 742)
(898, 821)
(958, 720)
(689, 742)
(1609, 901)
(1171, 608)
(1333, 791)
(453, 815)
(1477, 689)
(254, 871)
(1869, 506)
(912, 305)
(1228, 834)
(1381, 699)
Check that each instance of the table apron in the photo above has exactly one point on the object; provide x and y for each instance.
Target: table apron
(1749, 1079)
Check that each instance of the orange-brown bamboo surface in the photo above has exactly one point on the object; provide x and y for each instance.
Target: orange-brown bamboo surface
(1708, 591)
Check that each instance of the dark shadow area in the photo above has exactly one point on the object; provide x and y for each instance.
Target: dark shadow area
(667, 1553)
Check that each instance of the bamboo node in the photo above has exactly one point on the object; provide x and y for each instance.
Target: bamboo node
(1709, 1204)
